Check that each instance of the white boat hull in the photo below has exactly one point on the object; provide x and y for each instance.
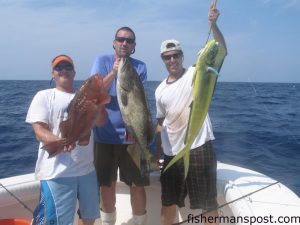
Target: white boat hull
(232, 183)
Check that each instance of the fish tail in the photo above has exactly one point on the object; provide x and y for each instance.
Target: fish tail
(186, 163)
(185, 154)
(54, 148)
(144, 168)
(152, 162)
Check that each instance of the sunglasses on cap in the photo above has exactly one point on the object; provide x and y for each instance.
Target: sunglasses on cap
(61, 67)
(122, 39)
(174, 56)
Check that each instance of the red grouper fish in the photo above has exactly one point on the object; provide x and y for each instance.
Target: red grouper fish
(84, 112)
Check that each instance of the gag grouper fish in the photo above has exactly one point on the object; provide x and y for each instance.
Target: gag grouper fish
(207, 69)
(135, 111)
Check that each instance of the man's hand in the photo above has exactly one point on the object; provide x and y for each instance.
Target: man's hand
(116, 66)
(213, 14)
(69, 148)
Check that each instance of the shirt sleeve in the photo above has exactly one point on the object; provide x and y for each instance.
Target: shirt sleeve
(143, 74)
(38, 110)
(160, 112)
(100, 66)
(140, 68)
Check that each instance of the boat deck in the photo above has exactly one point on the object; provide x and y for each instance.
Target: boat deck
(232, 183)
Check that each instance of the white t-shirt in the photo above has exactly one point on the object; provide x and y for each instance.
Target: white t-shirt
(173, 102)
(50, 107)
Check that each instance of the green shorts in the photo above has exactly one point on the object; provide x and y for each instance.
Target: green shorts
(108, 158)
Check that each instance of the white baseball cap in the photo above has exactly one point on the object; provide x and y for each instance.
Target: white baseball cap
(170, 45)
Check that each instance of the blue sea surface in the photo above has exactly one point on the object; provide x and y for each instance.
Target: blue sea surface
(256, 125)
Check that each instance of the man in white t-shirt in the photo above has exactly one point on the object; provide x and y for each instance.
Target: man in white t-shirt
(69, 175)
(173, 99)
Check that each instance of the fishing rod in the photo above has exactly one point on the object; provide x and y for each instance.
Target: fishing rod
(209, 30)
(19, 200)
(228, 203)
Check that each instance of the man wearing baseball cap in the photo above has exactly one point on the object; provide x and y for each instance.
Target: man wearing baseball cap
(62, 58)
(173, 98)
(67, 176)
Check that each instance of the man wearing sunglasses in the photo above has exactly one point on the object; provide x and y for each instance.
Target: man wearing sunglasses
(111, 140)
(70, 175)
(173, 98)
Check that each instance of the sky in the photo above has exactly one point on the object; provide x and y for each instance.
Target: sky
(262, 36)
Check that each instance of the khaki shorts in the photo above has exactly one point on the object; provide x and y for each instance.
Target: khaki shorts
(108, 158)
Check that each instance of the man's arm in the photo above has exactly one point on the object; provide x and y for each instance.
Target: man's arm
(213, 15)
(108, 76)
(107, 80)
(43, 134)
(158, 138)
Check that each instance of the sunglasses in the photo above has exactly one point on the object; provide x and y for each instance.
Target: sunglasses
(122, 39)
(174, 56)
(61, 67)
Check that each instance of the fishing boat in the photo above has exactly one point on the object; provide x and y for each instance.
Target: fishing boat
(244, 196)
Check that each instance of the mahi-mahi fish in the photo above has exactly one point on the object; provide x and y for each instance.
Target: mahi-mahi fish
(207, 69)
(135, 112)
(84, 112)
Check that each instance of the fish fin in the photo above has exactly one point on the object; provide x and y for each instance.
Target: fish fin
(187, 129)
(85, 140)
(124, 98)
(101, 117)
(221, 64)
(150, 133)
(181, 154)
(145, 165)
(144, 168)
(149, 164)
(186, 163)
(215, 73)
(134, 153)
(152, 162)
(54, 148)
(104, 98)
(213, 70)
(194, 77)
(64, 127)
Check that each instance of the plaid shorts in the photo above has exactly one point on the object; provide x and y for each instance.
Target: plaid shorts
(108, 158)
(200, 183)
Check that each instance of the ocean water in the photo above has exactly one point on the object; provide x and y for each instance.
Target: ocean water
(256, 125)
